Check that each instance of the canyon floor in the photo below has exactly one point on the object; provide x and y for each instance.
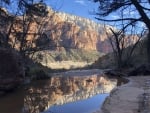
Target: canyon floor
(129, 98)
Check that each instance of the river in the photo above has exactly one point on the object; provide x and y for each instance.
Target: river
(69, 92)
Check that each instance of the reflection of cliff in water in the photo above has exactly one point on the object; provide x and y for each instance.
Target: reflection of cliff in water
(59, 90)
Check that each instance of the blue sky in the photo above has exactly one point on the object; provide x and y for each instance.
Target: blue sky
(83, 8)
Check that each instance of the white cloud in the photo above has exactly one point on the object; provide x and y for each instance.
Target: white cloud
(81, 2)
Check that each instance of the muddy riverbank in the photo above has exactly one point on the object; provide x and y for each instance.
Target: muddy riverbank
(126, 98)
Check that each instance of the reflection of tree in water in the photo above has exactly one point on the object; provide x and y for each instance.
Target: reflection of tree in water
(59, 90)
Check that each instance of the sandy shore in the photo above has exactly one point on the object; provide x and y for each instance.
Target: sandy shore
(125, 98)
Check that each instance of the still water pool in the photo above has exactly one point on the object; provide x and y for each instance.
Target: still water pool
(73, 92)
(89, 105)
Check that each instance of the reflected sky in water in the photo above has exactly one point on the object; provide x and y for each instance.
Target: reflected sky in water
(82, 106)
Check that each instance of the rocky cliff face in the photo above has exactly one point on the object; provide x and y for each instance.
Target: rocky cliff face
(62, 30)
(82, 33)
(58, 31)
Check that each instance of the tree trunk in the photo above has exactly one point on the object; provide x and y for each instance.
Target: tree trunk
(146, 20)
(148, 47)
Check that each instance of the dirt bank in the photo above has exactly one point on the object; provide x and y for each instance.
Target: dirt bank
(126, 98)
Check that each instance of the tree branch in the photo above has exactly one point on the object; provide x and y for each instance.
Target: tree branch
(144, 16)
(115, 20)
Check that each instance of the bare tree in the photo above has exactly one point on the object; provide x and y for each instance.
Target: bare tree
(134, 11)
(19, 25)
(123, 45)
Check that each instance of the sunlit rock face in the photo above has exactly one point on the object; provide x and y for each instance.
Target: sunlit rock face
(63, 30)
(70, 31)
(60, 90)
(56, 31)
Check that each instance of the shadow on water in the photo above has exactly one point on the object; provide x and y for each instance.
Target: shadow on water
(81, 94)
(12, 102)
